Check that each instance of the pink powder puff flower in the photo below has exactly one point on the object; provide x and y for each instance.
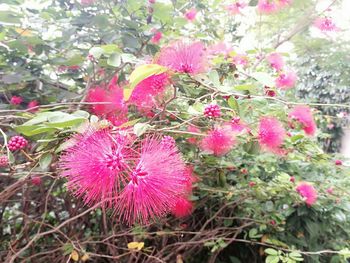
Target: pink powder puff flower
(308, 192)
(183, 207)
(33, 106)
(286, 80)
(235, 8)
(191, 128)
(276, 61)
(155, 184)
(303, 115)
(115, 110)
(190, 14)
(219, 141)
(95, 165)
(16, 100)
(156, 37)
(325, 24)
(271, 134)
(267, 7)
(240, 59)
(145, 93)
(184, 57)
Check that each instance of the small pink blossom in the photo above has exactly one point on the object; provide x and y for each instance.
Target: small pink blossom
(308, 192)
(325, 24)
(338, 162)
(236, 7)
(330, 190)
(183, 207)
(292, 179)
(184, 57)
(219, 141)
(303, 115)
(240, 59)
(271, 134)
(190, 14)
(252, 184)
(157, 36)
(212, 111)
(267, 7)
(152, 1)
(33, 106)
(36, 180)
(16, 100)
(276, 61)
(286, 80)
(4, 161)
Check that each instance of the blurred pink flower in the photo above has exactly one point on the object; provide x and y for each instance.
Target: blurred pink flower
(276, 61)
(303, 115)
(284, 3)
(219, 48)
(338, 162)
(32, 106)
(325, 24)
(87, 2)
(308, 192)
(16, 100)
(190, 14)
(286, 80)
(240, 59)
(154, 185)
(145, 93)
(271, 134)
(183, 207)
(219, 141)
(191, 128)
(156, 36)
(183, 57)
(267, 7)
(235, 8)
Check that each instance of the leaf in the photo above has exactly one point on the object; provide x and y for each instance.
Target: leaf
(45, 160)
(96, 52)
(129, 123)
(114, 60)
(272, 259)
(141, 73)
(264, 79)
(214, 78)
(24, 32)
(74, 255)
(248, 87)
(136, 245)
(271, 251)
(232, 102)
(141, 128)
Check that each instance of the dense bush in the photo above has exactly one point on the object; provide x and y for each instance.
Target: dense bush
(147, 138)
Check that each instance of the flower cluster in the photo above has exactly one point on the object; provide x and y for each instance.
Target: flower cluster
(140, 181)
(17, 143)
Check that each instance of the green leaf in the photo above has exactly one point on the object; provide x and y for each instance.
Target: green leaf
(214, 78)
(141, 128)
(114, 60)
(271, 251)
(264, 79)
(272, 259)
(96, 52)
(110, 49)
(248, 87)
(232, 102)
(45, 160)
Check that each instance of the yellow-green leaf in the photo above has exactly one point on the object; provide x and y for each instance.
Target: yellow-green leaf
(74, 255)
(136, 245)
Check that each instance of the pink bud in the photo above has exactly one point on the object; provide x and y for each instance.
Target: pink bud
(36, 180)
(338, 162)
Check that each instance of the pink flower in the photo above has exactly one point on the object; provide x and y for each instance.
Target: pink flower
(286, 80)
(308, 192)
(156, 37)
(112, 105)
(190, 14)
(330, 190)
(325, 24)
(183, 207)
(292, 179)
(252, 184)
(219, 49)
(338, 162)
(16, 100)
(219, 141)
(33, 106)
(183, 57)
(240, 59)
(96, 165)
(4, 161)
(168, 142)
(235, 8)
(276, 61)
(303, 115)
(152, 1)
(145, 93)
(212, 111)
(267, 7)
(17, 143)
(191, 128)
(36, 180)
(154, 185)
(271, 134)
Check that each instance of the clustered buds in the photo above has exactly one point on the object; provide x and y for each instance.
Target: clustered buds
(4, 161)
(17, 143)
(212, 111)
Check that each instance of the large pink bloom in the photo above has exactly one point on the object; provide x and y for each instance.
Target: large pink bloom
(155, 184)
(184, 57)
(276, 61)
(286, 80)
(271, 134)
(95, 165)
(325, 24)
(308, 192)
(144, 94)
(219, 141)
(183, 207)
(112, 105)
(303, 115)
